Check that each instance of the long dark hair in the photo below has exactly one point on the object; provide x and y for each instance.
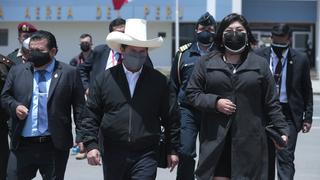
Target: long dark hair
(229, 19)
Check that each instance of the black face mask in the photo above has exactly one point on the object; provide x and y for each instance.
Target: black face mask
(235, 41)
(85, 47)
(205, 37)
(278, 49)
(39, 59)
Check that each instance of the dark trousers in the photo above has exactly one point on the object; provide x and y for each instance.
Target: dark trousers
(31, 157)
(190, 125)
(124, 163)
(4, 153)
(284, 159)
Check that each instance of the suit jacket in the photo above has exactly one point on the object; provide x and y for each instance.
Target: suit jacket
(298, 85)
(96, 63)
(65, 91)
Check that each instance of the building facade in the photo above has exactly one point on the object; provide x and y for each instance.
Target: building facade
(67, 20)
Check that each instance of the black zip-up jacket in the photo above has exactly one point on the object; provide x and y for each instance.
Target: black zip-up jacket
(135, 121)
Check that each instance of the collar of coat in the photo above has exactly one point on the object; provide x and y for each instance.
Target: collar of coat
(290, 56)
(216, 62)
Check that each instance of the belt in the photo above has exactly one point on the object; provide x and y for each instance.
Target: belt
(36, 139)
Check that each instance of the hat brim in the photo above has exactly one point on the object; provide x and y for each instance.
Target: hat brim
(115, 39)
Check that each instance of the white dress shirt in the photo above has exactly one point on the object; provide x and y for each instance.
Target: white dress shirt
(132, 78)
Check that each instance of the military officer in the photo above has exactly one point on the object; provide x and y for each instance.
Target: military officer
(25, 30)
(181, 71)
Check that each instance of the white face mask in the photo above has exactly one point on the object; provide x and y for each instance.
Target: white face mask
(134, 61)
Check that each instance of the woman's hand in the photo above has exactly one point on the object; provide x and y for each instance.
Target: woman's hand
(225, 106)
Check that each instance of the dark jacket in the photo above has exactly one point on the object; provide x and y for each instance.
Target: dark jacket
(65, 92)
(79, 59)
(13, 56)
(5, 65)
(123, 120)
(251, 88)
(182, 67)
(298, 85)
(96, 64)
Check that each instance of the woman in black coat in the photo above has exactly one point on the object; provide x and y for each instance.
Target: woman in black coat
(236, 92)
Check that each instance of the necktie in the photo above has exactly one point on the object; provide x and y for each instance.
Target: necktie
(278, 70)
(42, 103)
(117, 56)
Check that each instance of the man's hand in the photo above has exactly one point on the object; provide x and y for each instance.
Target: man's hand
(22, 112)
(306, 127)
(93, 157)
(173, 161)
(285, 139)
(225, 106)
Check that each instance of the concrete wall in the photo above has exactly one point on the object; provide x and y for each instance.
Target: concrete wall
(67, 35)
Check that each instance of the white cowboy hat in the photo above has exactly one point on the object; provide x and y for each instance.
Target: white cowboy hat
(135, 34)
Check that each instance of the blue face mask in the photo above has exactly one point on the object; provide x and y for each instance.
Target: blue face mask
(134, 61)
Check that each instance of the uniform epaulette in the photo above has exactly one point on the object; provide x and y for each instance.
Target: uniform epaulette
(184, 47)
(5, 60)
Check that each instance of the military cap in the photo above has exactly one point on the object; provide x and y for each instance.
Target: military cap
(206, 20)
(26, 27)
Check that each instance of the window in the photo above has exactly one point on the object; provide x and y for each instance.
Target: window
(301, 40)
(3, 37)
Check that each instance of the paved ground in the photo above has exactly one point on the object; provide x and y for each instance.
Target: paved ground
(307, 157)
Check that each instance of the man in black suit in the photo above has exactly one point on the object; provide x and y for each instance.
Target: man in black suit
(39, 96)
(127, 104)
(292, 76)
(103, 57)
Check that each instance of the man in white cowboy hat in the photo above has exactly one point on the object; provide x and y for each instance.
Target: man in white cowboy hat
(126, 104)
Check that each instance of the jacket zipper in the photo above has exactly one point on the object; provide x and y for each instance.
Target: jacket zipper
(130, 125)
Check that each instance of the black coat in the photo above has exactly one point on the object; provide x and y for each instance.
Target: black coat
(126, 120)
(298, 85)
(65, 92)
(5, 65)
(251, 88)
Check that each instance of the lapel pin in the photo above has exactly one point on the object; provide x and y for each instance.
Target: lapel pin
(290, 62)
(56, 75)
